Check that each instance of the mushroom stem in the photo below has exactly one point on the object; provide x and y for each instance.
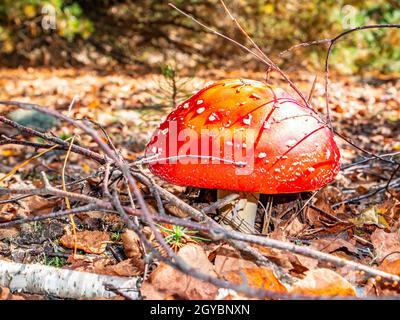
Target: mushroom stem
(242, 214)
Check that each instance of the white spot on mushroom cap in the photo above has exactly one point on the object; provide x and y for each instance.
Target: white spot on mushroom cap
(199, 102)
(247, 120)
(228, 123)
(212, 117)
(200, 110)
(291, 143)
(311, 169)
(267, 125)
(255, 96)
(186, 105)
(262, 155)
(328, 154)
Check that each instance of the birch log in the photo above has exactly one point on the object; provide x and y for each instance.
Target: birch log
(63, 283)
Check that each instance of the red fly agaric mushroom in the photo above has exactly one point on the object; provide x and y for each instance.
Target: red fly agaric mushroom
(244, 136)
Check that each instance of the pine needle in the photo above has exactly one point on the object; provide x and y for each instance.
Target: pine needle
(64, 187)
(23, 164)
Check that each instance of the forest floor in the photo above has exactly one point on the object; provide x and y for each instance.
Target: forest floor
(355, 217)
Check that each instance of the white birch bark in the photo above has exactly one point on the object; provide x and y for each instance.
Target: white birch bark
(63, 283)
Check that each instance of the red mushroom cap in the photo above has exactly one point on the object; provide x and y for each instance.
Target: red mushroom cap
(244, 135)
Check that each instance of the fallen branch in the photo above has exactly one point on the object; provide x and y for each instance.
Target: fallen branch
(261, 56)
(62, 283)
(215, 231)
(204, 223)
(331, 42)
(57, 141)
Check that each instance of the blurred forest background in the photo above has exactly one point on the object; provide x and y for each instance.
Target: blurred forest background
(147, 33)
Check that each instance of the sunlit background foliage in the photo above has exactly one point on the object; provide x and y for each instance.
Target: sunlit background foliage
(148, 33)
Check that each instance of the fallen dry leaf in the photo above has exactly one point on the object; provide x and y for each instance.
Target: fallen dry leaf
(37, 206)
(174, 210)
(371, 216)
(386, 245)
(166, 281)
(33, 205)
(9, 211)
(330, 245)
(301, 264)
(391, 266)
(229, 294)
(294, 227)
(314, 216)
(258, 277)
(91, 218)
(275, 255)
(228, 259)
(88, 241)
(391, 209)
(127, 268)
(323, 282)
(381, 287)
(5, 294)
(6, 233)
(131, 242)
(289, 261)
